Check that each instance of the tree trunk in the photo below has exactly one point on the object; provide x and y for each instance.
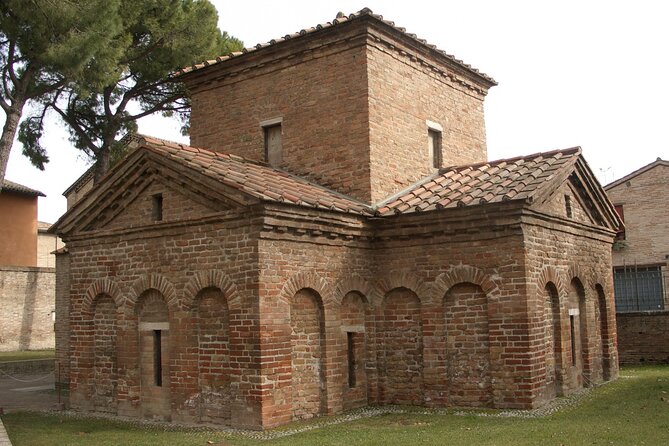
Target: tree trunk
(102, 163)
(8, 134)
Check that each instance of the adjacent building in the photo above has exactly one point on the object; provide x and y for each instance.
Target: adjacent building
(641, 263)
(334, 237)
(27, 275)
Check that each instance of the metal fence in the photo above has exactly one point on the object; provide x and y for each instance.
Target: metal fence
(639, 288)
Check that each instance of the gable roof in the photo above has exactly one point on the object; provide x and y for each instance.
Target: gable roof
(646, 168)
(340, 19)
(520, 178)
(255, 178)
(10, 186)
(527, 178)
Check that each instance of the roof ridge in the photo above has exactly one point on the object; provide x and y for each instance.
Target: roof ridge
(11, 186)
(340, 18)
(658, 162)
(570, 151)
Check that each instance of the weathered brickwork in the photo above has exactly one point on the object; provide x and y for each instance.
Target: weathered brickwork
(644, 197)
(250, 306)
(354, 104)
(27, 302)
(643, 337)
(404, 93)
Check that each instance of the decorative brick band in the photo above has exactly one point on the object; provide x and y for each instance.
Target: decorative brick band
(406, 280)
(212, 279)
(356, 283)
(577, 272)
(464, 274)
(155, 281)
(550, 275)
(309, 280)
(100, 287)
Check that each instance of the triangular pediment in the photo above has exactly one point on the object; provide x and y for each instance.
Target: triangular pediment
(126, 198)
(576, 195)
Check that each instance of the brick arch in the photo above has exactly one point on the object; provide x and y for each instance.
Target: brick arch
(155, 281)
(212, 279)
(102, 286)
(406, 280)
(355, 283)
(309, 280)
(582, 274)
(464, 274)
(551, 274)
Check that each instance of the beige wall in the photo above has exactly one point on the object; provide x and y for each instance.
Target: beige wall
(18, 220)
(27, 302)
(46, 244)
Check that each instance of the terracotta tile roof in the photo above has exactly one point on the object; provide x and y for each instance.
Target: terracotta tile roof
(255, 178)
(20, 189)
(518, 178)
(341, 18)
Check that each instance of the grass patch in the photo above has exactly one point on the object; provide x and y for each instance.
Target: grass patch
(633, 410)
(27, 354)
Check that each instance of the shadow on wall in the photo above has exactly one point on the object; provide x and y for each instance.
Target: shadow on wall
(28, 316)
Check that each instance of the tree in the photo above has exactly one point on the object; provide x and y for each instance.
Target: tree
(158, 37)
(44, 45)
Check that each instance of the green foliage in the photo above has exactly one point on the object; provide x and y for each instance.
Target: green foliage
(157, 38)
(24, 355)
(45, 45)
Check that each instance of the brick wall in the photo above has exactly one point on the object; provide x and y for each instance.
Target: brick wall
(319, 92)
(645, 198)
(643, 338)
(404, 93)
(353, 103)
(27, 302)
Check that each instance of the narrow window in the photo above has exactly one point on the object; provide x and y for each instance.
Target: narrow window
(273, 147)
(351, 359)
(157, 208)
(157, 358)
(572, 326)
(434, 147)
(567, 205)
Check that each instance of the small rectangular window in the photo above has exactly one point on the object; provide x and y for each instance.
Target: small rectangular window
(273, 146)
(350, 337)
(157, 207)
(572, 327)
(434, 147)
(157, 358)
(567, 206)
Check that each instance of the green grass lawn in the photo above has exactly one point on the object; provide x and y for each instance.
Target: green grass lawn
(634, 410)
(27, 354)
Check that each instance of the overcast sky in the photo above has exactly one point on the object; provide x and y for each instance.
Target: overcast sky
(571, 73)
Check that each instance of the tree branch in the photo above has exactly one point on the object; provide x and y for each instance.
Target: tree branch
(77, 128)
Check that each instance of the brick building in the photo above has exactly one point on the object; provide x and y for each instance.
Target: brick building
(27, 275)
(334, 238)
(641, 263)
